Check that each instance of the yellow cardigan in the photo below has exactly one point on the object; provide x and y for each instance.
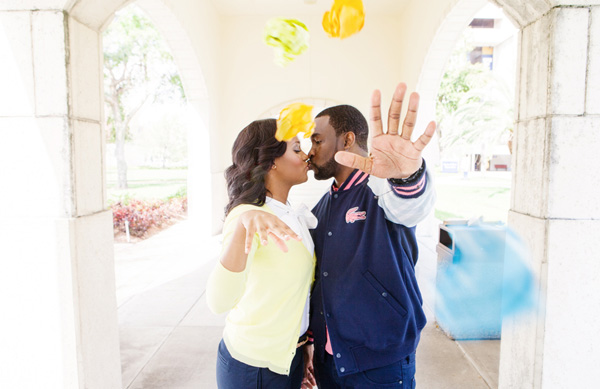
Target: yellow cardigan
(266, 299)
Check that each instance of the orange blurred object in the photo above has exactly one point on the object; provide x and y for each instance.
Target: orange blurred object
(293, 119)
(346, 18)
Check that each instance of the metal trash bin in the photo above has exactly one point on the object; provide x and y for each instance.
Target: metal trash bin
(464, 314)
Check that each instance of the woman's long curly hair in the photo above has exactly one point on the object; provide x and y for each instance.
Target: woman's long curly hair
(253, 154)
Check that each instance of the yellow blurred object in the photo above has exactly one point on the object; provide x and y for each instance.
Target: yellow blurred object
(346, 18)
(293, 119)
(289, 38)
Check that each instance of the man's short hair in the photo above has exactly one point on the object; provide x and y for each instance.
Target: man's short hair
(346, 118)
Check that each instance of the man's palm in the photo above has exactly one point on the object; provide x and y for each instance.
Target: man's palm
(392, 155)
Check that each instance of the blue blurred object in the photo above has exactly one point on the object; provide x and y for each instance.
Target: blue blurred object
(482, 277)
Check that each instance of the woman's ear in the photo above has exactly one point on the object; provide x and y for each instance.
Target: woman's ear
(349, 139)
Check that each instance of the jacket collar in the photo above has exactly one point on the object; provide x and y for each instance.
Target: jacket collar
(356, 178)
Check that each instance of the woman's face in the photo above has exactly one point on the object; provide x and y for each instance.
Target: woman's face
(292, 166)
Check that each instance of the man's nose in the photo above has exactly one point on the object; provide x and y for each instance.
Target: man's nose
(311, 152)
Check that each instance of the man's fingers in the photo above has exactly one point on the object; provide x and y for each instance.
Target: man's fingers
(411, 116)
(426, 137)
(395, 109)
(376, 125)
(354, 161)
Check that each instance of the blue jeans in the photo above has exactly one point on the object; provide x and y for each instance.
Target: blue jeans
(233, 374)
(400, 374)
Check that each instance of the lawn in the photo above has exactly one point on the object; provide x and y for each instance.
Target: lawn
(486, 195)
(147, 183)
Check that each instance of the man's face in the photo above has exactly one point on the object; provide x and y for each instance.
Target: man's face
(325, 144)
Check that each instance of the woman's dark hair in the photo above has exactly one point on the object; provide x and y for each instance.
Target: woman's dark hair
(253, 154)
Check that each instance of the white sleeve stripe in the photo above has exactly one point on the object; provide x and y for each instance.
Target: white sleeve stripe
(408, 212)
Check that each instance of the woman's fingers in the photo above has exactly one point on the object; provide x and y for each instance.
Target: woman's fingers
(249, 238)
(263, 235)
(267, 225)
(279, 242)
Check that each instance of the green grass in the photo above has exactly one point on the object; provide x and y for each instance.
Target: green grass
(478, 195)
(147, 183)
(486, 196)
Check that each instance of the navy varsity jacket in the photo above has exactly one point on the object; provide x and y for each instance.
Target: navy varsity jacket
(366, 292)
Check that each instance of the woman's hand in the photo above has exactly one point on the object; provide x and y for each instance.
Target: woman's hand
(266, 225)
(309, 381)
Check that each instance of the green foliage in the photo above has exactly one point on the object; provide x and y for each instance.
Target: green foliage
(484, 115)
(460, 76)
(137, 66)
(163, 135)
(181, 193)
(475, 196)
(474, 106)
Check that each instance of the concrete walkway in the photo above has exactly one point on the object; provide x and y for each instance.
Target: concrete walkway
(169, 337)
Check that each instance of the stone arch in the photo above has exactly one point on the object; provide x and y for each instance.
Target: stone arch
(68, 275)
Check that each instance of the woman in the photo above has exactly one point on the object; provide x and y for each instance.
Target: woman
(266, 286)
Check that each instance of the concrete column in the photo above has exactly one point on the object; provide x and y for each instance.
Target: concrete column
(59, 327)
(554, 205)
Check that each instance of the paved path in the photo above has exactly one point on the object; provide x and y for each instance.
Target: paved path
(169, 338)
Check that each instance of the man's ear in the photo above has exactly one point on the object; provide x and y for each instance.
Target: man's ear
(349, 140)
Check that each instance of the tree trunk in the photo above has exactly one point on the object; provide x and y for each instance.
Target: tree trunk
(119, 146)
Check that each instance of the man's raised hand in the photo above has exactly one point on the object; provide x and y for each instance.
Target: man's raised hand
(393, 154)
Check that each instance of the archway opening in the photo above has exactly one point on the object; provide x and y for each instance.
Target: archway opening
(156, 163)
(468, 80)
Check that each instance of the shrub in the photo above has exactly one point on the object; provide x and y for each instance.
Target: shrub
(145, 214)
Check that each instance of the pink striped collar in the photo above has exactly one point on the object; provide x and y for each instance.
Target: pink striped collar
(356, 178)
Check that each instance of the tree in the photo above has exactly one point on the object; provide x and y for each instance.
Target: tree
(137, 68)
(162, 133)
(484, 115)
(474, 105)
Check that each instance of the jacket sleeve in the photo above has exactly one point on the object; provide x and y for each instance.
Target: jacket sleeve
(406, 204)
(225, 288)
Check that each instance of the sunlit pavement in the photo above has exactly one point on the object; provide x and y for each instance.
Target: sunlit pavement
(169, 337)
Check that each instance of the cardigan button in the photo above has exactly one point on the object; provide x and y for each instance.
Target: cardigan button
(330, 233)
(338, 355)
(342, 369)
(335, 196)
(384, 294)
(325, 274)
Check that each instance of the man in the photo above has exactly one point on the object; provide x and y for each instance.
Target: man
(366, 307)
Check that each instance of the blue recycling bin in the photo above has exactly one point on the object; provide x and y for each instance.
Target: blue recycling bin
(469, 280)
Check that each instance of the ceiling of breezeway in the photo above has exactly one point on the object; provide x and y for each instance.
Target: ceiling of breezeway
(289, 8)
